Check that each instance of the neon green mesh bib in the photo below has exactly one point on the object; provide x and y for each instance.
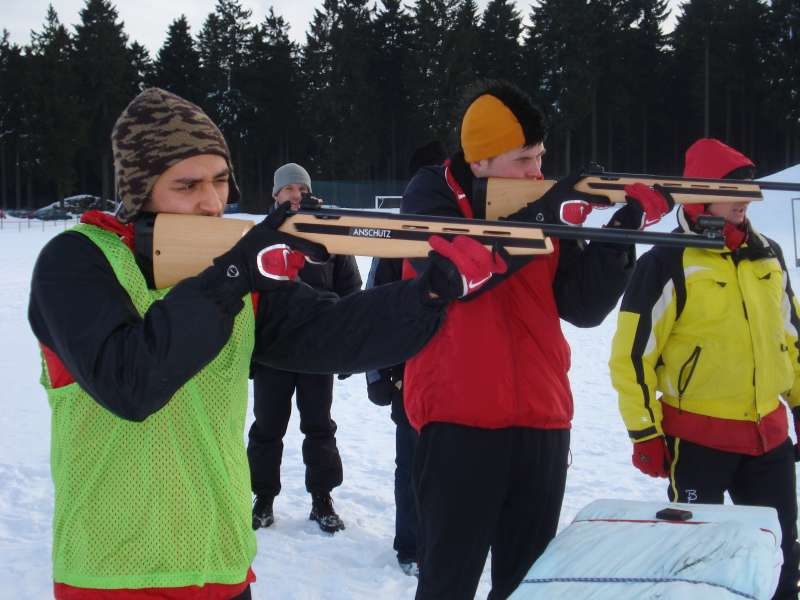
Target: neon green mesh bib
(164, 502)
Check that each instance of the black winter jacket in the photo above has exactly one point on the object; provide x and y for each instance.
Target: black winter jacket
(338, 275)
(133, 366)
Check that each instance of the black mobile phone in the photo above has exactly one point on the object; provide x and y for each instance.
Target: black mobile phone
(674, 514)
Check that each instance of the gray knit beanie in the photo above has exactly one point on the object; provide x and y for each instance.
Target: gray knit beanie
(156, 131)
(288, 174)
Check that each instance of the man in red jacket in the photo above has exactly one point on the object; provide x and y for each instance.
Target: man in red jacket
(489, 393)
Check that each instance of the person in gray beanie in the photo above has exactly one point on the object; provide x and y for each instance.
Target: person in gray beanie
(273, 390)
(148, 387)
(290, 182)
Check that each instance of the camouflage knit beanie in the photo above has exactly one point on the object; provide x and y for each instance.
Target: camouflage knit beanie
(156, 131)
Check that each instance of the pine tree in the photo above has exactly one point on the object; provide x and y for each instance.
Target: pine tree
(224, 39)
(462, 46)
(272, 83)
(140, 68)
(498, 35)
(643, 56)
(432, 85)
(784, 76)
(339, 99)
(391, 60)
(719, 65)
(317, 65)
(58, 124)
(559, 49)
(627, 36)
(177, 64)
(102, 61)
(211, 51)
(12, 126)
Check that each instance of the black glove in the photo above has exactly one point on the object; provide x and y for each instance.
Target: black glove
(561, 204)
(383, 391)
(265, 255)
(644, 206)
(309, 202)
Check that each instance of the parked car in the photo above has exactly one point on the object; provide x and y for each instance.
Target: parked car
(51, 213)
(80, 203)
(21, 213)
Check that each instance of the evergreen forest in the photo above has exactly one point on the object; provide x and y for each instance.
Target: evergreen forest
(372, 81)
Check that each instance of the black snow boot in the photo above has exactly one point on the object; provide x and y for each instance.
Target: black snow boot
(322, 512)
(262, 511)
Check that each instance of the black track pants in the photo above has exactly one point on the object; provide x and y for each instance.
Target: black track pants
(702, 474)
(272, 398)
(479, 489)
(405, 523)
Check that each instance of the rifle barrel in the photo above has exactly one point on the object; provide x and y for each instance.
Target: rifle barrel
(713, 239)
(627, 236)
(784, 186)
(781, 186)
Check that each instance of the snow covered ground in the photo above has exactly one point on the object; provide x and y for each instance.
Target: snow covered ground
(295, 559)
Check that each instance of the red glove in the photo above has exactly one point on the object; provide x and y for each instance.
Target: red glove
(652, 457)
(280, 262)
(574, 212)
(461, 267)
(645, 206)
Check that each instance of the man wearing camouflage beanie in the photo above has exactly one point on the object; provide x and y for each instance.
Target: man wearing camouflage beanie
(148, 387)
(157, 131)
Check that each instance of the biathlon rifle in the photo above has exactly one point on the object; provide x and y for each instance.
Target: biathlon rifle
(183, 245)
(503, 197)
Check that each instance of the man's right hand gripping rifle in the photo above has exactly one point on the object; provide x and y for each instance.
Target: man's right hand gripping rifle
(563, 204)
(265, 256)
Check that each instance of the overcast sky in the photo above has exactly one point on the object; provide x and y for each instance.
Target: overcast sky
(146, 21)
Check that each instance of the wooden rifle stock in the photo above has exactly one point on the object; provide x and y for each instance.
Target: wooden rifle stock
(184, 245)
(504, 197)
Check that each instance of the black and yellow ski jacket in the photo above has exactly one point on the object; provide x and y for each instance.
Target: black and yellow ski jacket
(707, 344)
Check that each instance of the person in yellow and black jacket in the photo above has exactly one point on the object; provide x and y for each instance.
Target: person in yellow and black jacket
(706, 346)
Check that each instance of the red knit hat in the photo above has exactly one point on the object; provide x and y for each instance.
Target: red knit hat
(709, 158)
